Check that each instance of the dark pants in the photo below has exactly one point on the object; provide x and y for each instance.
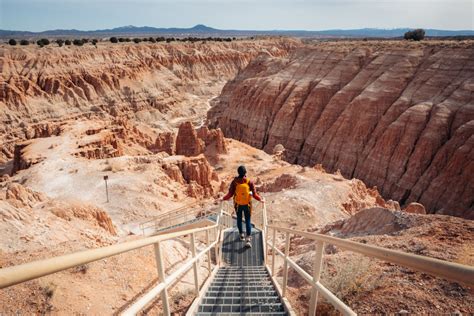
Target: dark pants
(246, 210)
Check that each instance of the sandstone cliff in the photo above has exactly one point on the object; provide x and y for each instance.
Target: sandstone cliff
(399, 118)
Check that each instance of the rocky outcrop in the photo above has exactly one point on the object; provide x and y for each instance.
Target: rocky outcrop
(22, 196)
(372, 221)
(87, 213)
(194, 172)
(100, 146)
(191, 142)
(165, 142)
(22, 159)
(399, 118)
(197, 171)
(187, 142)
(415, 208)
(213, 140)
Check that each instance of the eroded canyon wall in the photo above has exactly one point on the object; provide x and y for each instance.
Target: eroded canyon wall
(151, 83)
(398, 116)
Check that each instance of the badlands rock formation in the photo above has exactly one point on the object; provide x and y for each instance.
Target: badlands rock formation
(157, 84)
(399, 117)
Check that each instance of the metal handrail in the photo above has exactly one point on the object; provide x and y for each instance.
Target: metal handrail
(21, 273)
(440, 268)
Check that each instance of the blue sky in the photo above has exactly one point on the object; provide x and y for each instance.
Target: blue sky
(37, 15)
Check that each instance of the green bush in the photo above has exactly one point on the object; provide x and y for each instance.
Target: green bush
(43, 42)
(113, 40)
(78, 42)
(416, 35)
(12, 42)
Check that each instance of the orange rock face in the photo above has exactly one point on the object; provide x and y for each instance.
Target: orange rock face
(187, 141)
(399, 118)
(191, 142)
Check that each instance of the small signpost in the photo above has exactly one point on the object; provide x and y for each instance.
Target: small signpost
(106, 188)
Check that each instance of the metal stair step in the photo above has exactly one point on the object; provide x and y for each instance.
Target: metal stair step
(240, 314)
(268, 293)
(238, 308)
(241, 301)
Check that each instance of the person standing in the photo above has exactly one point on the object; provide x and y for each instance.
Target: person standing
(242, 190)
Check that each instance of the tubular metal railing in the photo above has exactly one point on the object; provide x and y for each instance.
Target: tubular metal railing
(213, 240)
(177, 216)
(448, 270)
(21, 273)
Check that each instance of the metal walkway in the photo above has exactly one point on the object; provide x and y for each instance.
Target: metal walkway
(244, 287)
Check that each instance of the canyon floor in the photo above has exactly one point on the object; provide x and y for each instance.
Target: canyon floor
(137, 113)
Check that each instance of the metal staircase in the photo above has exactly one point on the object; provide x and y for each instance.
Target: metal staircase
(244, 287)
(240, 281)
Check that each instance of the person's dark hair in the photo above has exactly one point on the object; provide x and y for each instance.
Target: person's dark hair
(241, 171)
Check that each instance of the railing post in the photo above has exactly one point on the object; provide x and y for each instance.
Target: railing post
(161, 276)
(285, 266)
(273, 251)
(216, 247)
(195, 265)
(208, 253)
(317, 267)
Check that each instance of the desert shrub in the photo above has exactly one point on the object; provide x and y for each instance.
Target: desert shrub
(121, 39)
(94, 41)
(78, 42)
(49, 290)
(152, 40)
(24, 42)
(137, 40)
(60, 42)
(169, 39)
(160, 39)
(351, 277)
(43, 42)
(128, 39)
(12, 42)
(416, 35)
(113, 39)
(67, 42)
(85, 40)
(145, 39)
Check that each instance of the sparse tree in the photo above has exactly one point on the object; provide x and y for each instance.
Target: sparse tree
(128, 39)
(121, 40)
(24, 42)
(416, 35)
(113, 40)
(60, 42)
(160, 39)
(137, 40)
(78, 42)
(43, 42)
(67, 42)
(152, 40)
(12, 42)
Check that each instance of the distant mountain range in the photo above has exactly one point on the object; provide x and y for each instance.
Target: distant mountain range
(205, 31)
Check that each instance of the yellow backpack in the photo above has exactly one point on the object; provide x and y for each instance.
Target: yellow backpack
(242, 193)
